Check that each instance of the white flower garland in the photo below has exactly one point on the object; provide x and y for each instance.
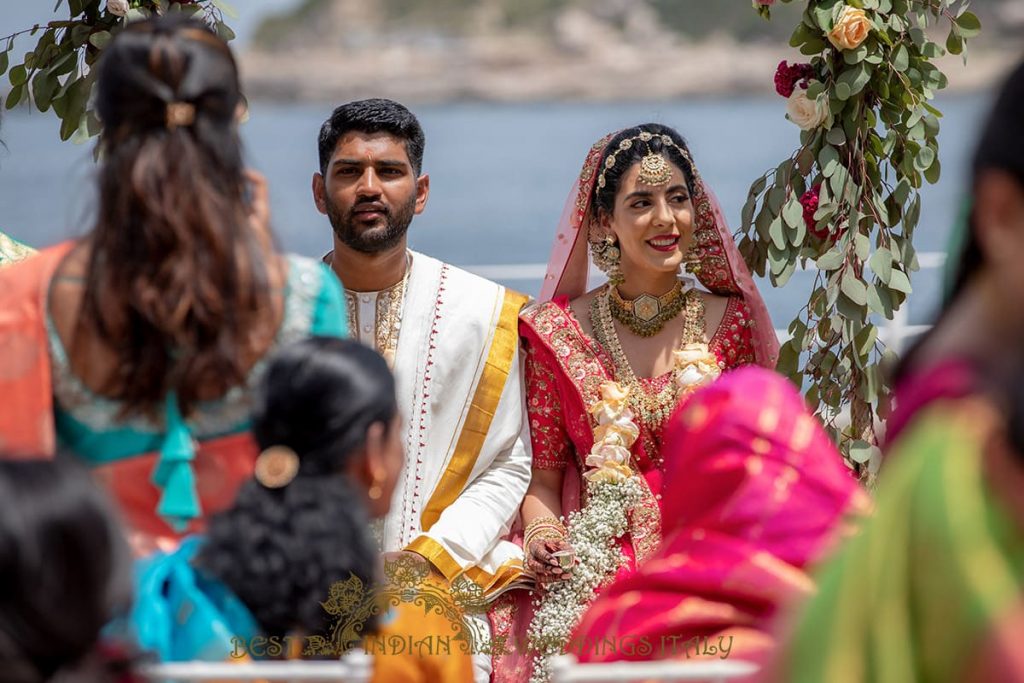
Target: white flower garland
(613, 489)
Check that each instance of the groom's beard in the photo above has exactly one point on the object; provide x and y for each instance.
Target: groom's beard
(381, 236)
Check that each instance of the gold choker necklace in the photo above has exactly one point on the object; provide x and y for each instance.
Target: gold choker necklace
(647, 314)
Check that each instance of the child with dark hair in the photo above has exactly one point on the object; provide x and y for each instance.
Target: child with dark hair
(272, 565)
(64, 574)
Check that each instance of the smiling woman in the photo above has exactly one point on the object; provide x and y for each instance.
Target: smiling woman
(605, 368)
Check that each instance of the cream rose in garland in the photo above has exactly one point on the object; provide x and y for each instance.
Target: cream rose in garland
(613, 488)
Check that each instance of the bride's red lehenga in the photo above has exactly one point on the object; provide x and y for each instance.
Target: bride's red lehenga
(565, 368)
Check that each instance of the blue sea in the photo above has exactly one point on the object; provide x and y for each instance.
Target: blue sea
(499, 174)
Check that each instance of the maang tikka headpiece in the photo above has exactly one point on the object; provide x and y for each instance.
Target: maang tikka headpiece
(655, 169)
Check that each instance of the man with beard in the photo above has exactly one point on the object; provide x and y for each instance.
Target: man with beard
(452, 340)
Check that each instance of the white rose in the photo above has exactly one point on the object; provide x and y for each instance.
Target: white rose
(689, 377)
(118, 7)
(805, 112)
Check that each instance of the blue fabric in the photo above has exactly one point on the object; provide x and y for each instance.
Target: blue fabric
(179, 502)
(180, 615)
(329, 317)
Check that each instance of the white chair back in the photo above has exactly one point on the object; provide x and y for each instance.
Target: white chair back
(356, 667)
(565, 669)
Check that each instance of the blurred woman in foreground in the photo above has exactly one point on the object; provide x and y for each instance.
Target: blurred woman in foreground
(65, 572)
(931, 589)
(136, 346)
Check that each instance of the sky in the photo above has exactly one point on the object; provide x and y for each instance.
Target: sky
(15, 16)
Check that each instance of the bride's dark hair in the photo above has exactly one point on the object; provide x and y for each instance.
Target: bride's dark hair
(177, 284)
(604, 197)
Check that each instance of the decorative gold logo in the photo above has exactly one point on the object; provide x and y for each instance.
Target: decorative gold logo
(408, 584)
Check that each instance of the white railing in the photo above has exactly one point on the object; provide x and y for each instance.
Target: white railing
(893, 333)
(565, 669)
(356, 667)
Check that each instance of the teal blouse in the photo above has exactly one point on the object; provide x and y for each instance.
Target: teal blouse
(89, 425)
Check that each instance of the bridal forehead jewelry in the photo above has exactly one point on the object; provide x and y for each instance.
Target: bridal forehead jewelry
(655, 169)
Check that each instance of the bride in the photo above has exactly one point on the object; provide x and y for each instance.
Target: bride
(605, 368)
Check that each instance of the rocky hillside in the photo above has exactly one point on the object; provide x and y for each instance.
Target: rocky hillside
(514, 50)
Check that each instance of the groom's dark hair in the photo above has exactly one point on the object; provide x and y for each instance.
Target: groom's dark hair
(376, 115)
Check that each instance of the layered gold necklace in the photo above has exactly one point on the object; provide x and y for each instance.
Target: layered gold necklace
(647, 314)
(652, 407)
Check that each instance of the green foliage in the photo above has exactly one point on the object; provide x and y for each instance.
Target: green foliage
(57, 73)
(870, 157)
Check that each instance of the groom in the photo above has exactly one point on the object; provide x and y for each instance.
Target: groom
(452, 340)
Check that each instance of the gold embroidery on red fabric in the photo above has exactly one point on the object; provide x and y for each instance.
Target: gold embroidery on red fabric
(551, 444)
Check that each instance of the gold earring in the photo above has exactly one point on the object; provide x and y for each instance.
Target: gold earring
(606, 256)
(692, 260)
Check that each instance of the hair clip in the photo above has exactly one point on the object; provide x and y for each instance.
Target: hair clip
(276, 467)
(180, 114)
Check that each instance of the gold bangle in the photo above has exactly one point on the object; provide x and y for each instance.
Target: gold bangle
(543, 527)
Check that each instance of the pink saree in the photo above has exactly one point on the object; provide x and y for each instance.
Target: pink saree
(758, 492)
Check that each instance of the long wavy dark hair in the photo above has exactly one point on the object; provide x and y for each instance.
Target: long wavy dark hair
(65, 572)
(1001, 147)
(177, 284)
(281, 550)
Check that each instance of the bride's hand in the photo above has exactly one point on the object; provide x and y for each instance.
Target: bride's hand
(541, 562)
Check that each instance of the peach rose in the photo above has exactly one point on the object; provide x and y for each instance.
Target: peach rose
(805, 112)
(613, 391)
(610, 473)
(851, 29)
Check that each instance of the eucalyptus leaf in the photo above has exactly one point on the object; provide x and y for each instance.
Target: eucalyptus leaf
(901, 58)
(14, 96)
(854, 288)
(18, 75)
(793, 213)
(836, 136)
(925, 158)
(899, 282)
(100, 39)
(968, 24)
(861, 242)
(881, 264)
(828, 160)
(777, 232)
(861, 452)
